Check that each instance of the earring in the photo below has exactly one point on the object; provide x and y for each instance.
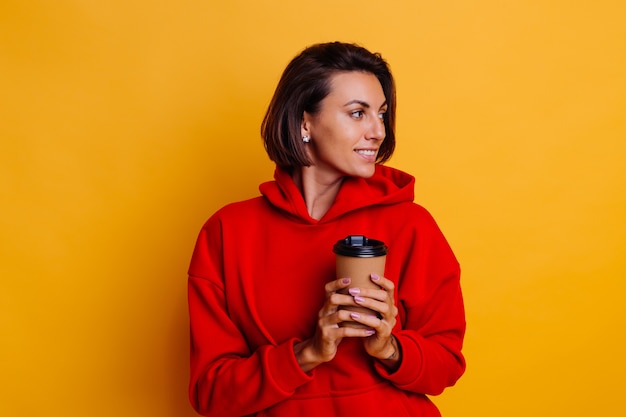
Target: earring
(306, 139)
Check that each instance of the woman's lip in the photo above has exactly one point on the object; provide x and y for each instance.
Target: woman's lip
(368, 155)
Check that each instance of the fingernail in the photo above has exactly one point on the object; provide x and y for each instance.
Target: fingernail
(370, 332)
(354, 291)
(345, 281)
(359, 299)
(355, 315)
(375, 277)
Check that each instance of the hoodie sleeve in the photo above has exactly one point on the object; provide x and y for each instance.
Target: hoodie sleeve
(431, 323)
(220, 356)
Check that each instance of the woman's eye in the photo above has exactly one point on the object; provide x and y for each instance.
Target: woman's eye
(357, 114)
(381, 116)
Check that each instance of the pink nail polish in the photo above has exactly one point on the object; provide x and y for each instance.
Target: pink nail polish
(359, 299)
(345, 281)
(355, 315)
(354, 291)
(375, 277)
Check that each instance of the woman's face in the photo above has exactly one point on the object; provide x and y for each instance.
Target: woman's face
(348, 130)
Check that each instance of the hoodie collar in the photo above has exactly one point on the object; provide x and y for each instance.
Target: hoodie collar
(387, 186)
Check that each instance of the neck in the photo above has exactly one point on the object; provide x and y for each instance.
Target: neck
(319, 193)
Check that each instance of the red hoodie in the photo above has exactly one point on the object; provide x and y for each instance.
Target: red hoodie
(256, 284)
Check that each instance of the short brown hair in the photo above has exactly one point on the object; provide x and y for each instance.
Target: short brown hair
(305, 83)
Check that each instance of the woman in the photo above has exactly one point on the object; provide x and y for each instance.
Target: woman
(264, 301)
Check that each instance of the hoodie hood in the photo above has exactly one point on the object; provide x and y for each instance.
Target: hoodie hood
(387, 186)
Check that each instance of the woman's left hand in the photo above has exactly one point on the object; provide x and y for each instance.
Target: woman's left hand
(381, 345)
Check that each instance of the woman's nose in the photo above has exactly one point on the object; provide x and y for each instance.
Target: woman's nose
(376, 129)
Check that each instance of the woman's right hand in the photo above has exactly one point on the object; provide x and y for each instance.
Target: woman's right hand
(322, 347)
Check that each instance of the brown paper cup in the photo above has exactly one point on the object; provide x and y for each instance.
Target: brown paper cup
(357, 258)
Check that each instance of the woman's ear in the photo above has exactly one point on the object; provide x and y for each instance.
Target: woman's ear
(305, 128)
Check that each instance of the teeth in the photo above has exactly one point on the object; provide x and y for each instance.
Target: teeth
(366, 152)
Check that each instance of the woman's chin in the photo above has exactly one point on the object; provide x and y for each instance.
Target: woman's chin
(365, 172)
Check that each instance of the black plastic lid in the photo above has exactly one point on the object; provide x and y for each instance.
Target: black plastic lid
(360, 247)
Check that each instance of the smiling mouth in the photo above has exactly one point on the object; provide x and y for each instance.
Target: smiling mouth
(366, 152)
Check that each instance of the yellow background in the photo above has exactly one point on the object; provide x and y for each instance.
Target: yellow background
(124, 124)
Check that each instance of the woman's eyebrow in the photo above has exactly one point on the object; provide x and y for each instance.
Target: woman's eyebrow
(363, 103)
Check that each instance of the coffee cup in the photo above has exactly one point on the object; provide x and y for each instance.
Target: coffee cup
(358, 257)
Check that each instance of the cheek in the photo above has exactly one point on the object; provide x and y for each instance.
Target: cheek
(336, 134)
